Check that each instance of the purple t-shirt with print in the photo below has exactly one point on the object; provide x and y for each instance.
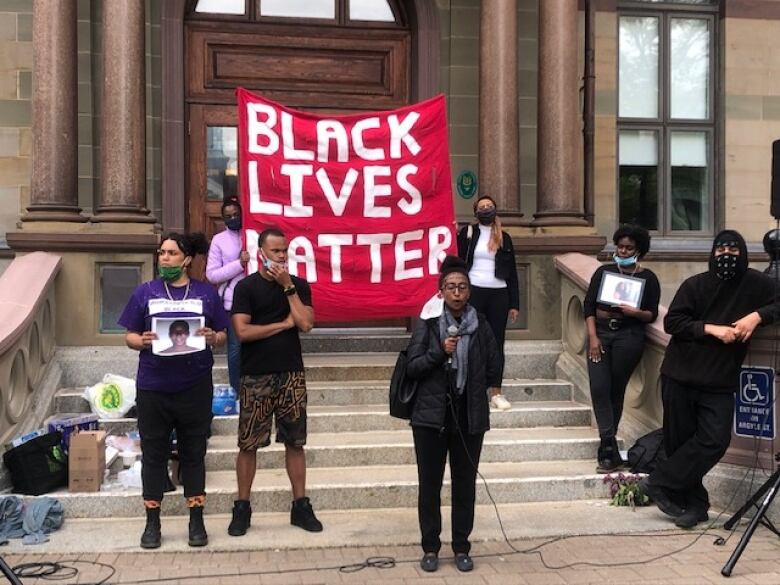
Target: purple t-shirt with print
(173, 373)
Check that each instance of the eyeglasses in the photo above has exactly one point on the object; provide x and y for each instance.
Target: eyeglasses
(462, 287)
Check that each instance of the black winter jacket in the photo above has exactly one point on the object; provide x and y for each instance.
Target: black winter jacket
(428, 364)
(506, 269)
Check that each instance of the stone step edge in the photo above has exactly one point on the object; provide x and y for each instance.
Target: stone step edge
(350, 529)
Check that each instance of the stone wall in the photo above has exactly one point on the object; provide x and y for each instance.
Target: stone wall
(459, 80)
(15, 110)
(751, 112)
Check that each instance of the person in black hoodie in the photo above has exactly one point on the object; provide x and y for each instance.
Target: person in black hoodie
(711, 319)
(451, 412)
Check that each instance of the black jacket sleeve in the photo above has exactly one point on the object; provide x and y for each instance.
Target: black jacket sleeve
(422, 354)
(683, 319)
(511, 281)
(463, 243)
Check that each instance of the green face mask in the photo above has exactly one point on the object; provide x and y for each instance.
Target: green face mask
(170, 273)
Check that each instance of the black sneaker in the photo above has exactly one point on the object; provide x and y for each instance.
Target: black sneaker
(463, 562)
(691, 518)
(242, 518)
(302, 516)
(661, 499)
(197, 529)
(152, 538)
(430, 562)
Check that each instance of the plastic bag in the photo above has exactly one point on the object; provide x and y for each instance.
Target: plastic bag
(111, 398)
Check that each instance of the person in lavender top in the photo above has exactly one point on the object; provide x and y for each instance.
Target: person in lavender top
(174, 392)
(225, 267)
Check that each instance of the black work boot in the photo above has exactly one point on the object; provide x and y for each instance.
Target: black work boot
(302, 516)
(198, 536)
(242, 517)
(608, 457)
(151, 538)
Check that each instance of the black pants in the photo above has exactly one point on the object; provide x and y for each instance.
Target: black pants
(609, 377)
(697, 432)
(494, 304)
(189, 413)
(431, 447)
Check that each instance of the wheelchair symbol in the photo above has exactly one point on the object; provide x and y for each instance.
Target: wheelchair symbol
(751, 392)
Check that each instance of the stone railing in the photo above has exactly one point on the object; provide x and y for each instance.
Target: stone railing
(642, 411)
(27, 341)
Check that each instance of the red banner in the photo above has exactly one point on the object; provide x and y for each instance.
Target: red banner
(364, 199)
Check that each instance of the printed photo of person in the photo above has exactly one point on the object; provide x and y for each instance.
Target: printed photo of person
(175, 336)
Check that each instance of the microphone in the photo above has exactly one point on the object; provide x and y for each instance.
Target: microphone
(452, 331)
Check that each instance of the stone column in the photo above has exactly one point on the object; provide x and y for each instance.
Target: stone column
(559, 199)
(498, 105)
(54, 182)
(123, 115)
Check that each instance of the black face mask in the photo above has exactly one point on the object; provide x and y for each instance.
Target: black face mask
(726, 266)
(234, 223)
(486, 216)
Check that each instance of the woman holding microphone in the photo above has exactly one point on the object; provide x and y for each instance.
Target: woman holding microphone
(455, 359)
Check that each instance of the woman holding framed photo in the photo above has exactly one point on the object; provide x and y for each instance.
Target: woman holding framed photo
(174, 391)
(622, 298)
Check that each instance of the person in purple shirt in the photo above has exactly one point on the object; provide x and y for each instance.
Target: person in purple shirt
(174, 391)
(225, 267)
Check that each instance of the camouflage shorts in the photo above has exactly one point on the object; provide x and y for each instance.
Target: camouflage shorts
(282, 395)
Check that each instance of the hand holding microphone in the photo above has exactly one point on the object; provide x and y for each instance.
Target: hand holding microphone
(451, 342)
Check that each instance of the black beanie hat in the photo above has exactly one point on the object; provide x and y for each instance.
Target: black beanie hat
(452, 264)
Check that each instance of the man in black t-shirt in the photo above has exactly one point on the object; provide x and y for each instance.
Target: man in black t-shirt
(269, 308)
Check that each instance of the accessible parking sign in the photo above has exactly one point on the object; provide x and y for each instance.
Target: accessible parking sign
(754, 412)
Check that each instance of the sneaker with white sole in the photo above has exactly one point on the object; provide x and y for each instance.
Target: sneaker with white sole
(498, 402)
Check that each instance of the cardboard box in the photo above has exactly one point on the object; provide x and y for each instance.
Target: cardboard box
(86, 461)
(69, 423)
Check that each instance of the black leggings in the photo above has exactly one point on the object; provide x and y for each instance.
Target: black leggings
(609, 377)
(189, 413)
(494, 304)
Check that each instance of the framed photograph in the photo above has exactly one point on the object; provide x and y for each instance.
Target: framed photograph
(176, 335)
(619, 289)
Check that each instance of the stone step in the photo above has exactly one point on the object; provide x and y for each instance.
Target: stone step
(374, 339)
(349, 450)
(380, 486)
(350, 528)
(84, 366)
(374, 417)
(364, 392)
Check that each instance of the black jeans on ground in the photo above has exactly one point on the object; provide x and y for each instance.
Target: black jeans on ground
(697, 433)
(431, 447)
(494, 304)
(189, 413)
(609, 377)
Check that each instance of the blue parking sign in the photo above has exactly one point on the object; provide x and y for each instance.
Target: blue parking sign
(754, 413)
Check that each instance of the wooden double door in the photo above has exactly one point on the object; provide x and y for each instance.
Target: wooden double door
(315, 68)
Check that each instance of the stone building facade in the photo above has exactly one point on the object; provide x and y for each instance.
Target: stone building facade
(686, 103)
